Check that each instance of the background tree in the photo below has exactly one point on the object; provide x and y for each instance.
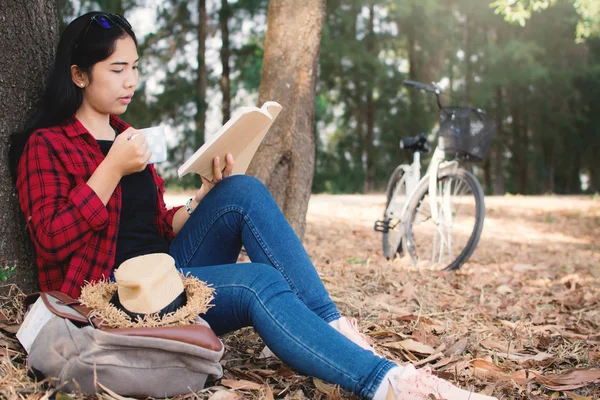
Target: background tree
(285, 159)
(520, 11)
(29, 34)
(535, 79)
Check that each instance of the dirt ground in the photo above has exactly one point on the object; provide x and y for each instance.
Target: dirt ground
(527, 304)
(520, 320)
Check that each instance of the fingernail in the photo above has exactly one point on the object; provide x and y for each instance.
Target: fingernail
(217, 159)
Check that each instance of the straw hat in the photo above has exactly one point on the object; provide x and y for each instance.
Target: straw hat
(149, 291)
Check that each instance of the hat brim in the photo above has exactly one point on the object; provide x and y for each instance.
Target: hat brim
(97, 297)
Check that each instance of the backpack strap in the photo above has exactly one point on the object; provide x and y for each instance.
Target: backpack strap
(198, 335)
(66, 307)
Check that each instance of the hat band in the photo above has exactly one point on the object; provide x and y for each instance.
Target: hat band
(173, 306)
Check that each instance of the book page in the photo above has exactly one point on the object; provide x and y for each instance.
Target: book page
(240, 136)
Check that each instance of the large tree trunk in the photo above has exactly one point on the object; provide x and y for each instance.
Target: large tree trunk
(286, 159)
(201, 78)
(29, 32)
(224, 15)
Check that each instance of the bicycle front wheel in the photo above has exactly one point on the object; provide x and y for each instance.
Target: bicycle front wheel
(395, 200)
(448, 242)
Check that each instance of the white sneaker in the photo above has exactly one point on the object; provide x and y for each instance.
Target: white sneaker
(420, 384)
(349, 328)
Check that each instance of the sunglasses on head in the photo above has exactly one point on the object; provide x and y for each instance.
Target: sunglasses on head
(106, 21)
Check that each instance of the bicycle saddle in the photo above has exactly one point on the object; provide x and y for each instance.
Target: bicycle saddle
(415, 143)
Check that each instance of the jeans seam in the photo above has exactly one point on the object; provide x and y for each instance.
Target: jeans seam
(270, 255)
(256, 235)
(332, 317)
(205, 231)
(317, 355)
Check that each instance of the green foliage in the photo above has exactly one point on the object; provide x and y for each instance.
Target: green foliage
(533, 65)
(248, 61)
(6, 271)
(520, 11)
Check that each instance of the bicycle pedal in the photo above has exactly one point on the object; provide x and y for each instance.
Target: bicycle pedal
(382, 226)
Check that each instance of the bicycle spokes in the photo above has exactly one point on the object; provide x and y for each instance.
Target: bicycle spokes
(436, 243)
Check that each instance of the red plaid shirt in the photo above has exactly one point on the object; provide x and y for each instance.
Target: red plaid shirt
(74, 234)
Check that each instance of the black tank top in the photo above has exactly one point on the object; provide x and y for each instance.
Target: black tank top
(137, 234)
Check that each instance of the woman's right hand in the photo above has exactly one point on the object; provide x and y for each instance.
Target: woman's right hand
(129, 152)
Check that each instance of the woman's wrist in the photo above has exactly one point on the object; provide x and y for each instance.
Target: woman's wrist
(104, 181)
(191, 205)
(112, 167)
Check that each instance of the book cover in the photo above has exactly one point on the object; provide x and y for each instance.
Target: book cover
(240, 137)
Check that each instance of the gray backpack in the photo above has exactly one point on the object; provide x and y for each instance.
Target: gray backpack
(155, 361)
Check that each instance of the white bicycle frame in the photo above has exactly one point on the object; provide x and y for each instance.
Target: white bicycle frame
(412, 176)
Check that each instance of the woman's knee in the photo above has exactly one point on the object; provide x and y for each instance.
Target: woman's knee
(267, 282)
(242, 190)
(244, 184)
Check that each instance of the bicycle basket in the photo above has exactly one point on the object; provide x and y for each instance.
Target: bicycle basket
(466, 132)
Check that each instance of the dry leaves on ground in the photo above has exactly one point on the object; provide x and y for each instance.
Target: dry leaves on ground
(521, 320)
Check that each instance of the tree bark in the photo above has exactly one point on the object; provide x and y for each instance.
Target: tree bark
(468, 53)
(414, 74)
(29, 32)
(499, 153)
(201, 78)
(547, 144)
(370, 134)
(224, 15)
(594, 180)
(524, 169)
(359, 107)
(487, 176)
(519, 141)
(285, 161)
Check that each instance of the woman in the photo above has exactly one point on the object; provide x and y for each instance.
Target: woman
(91, 201)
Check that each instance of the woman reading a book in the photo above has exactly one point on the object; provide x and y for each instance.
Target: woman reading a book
(92, 201)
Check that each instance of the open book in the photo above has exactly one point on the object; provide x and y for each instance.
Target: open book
(240, 137)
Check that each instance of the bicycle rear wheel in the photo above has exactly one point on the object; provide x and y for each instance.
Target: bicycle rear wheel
(395, 201)
(461, 210)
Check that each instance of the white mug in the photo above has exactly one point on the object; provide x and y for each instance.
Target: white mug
(157, 143)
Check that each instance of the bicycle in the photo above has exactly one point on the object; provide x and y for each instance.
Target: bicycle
(421, 213)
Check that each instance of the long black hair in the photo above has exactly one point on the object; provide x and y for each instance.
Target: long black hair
(83, 43)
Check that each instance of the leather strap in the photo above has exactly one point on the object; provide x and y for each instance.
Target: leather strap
(197, 335)
(68, 301)
(65, 306)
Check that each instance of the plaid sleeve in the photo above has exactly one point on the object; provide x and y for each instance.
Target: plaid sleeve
(60, 214)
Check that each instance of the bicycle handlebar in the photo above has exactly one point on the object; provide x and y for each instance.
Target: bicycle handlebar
(421, 86)
(427, 88)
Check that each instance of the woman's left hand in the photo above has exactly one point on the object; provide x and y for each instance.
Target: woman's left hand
(218, 176)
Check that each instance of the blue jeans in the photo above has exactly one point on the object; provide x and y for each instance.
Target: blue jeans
(279, 293)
